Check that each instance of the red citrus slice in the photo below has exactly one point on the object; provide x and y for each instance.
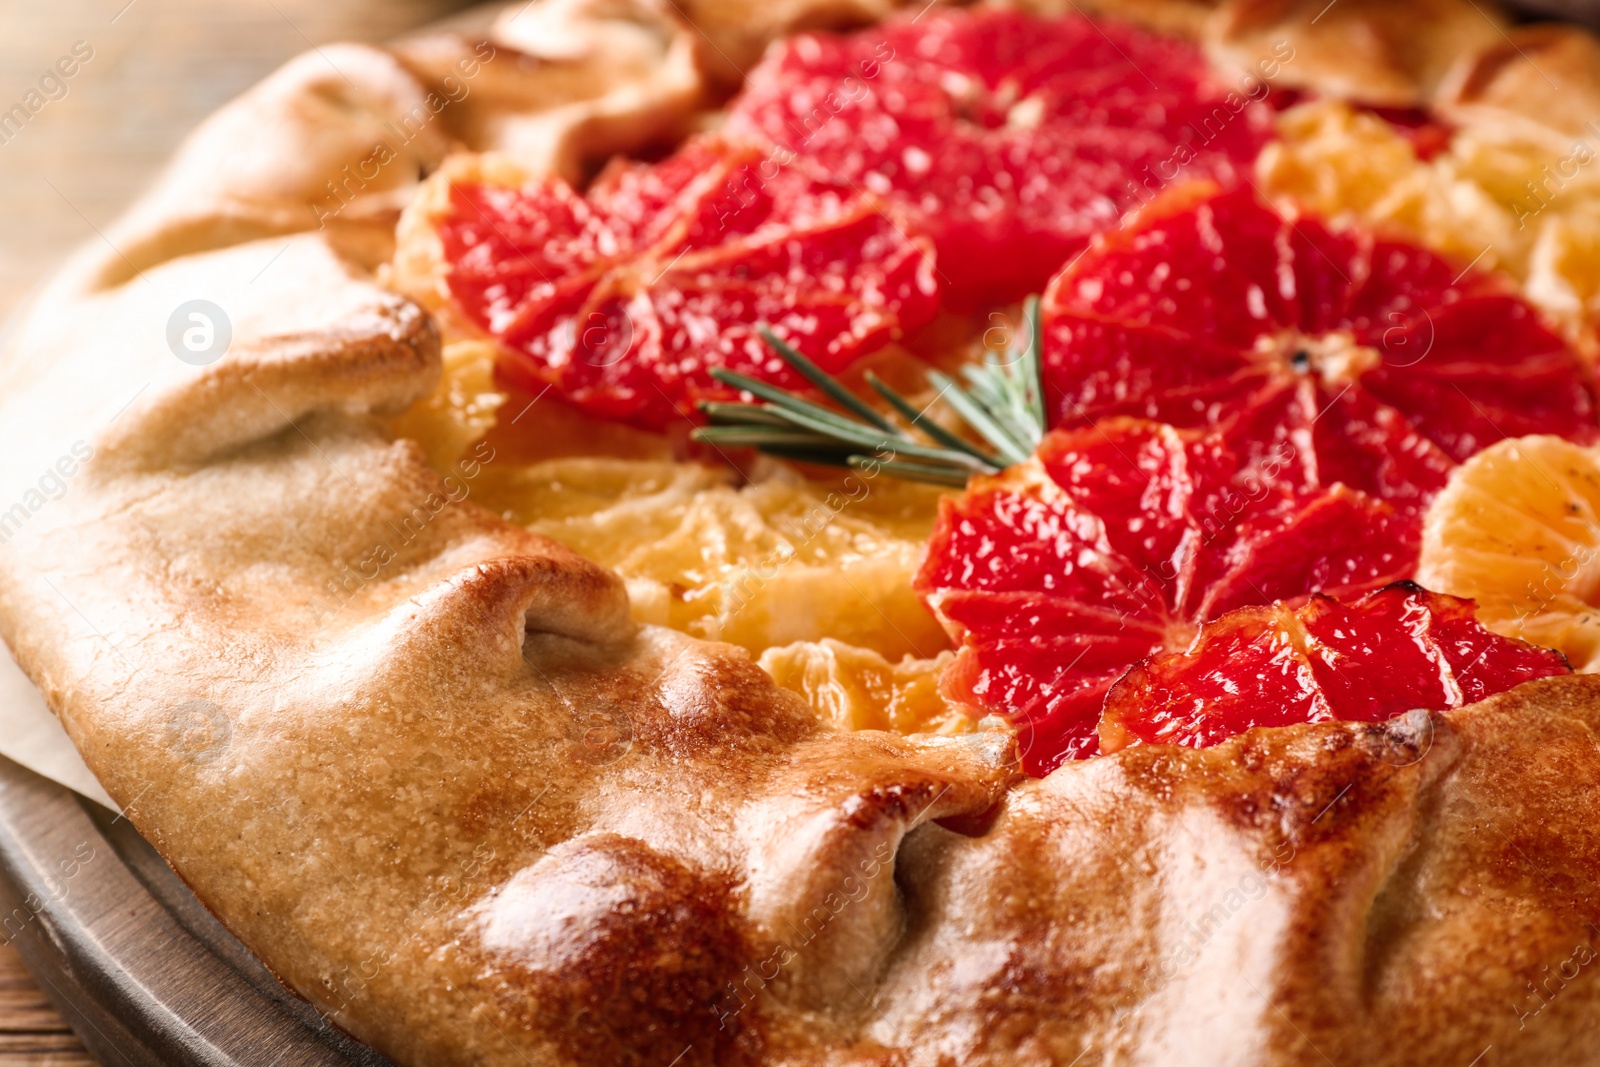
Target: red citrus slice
(1010, 139)
(1114, 542)
(1365, 660)
(623, 298)
(1307, 392)
(1214, 305)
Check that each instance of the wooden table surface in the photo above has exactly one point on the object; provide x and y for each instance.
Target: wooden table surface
(31, 1031)
(157, 68)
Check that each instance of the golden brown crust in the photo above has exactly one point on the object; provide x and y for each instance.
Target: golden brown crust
(565, 83)
(1372, 894)
(423, 763)
(1545, 74)
(1182, 18)
(1374, 51)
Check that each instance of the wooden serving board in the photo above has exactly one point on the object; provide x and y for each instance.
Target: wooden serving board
(139, 968)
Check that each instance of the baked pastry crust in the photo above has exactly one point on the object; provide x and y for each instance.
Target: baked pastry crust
(425, 765)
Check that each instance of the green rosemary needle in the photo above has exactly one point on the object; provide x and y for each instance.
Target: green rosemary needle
(1002, 401)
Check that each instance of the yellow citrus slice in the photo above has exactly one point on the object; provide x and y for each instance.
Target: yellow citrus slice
(1564, 267)
(781, 560)
(857, 689)
(822, 569)
(1517, 529)
(461, 408)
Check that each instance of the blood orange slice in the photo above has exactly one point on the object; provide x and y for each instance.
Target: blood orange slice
(1402, 364)
(1114, 542)
(1307, 393)
(623, 298)
(1009, 138)
(1365, 660)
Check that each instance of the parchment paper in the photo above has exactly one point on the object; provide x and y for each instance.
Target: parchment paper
(31, 735)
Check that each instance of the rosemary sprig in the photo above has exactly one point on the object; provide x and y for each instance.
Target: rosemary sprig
(1002, 401)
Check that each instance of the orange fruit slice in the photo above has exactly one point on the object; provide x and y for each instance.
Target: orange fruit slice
(624, 297)
(855, 688)
(1113, 543)
(461, 408)
(770, 563)
(1517, 529)
(1401, 361)
(1298, 395)
(1510, 196)
(1366, 660)
(1007, 137)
